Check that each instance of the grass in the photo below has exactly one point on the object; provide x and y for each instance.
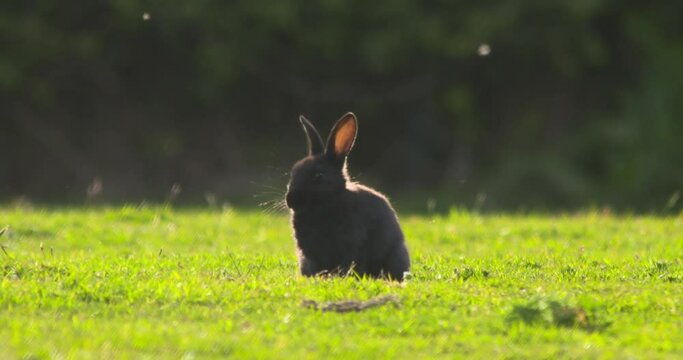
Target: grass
(154, 282)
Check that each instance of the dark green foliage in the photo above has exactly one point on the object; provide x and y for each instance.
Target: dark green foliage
(578, 102)
(553, 313)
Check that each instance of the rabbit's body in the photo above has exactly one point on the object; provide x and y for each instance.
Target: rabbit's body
(340, 225)
(365, 235)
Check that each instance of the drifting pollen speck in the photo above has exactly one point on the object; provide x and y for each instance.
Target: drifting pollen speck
(145, 16)
(484, 49)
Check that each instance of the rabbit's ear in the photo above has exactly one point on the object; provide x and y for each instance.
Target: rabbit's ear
(315, 142)
(342, 137)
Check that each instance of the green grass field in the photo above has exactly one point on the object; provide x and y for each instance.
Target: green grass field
(155, 282)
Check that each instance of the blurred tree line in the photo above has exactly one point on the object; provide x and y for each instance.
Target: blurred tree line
(540, 103)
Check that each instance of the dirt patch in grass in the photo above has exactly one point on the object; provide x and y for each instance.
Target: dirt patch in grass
(351, 305)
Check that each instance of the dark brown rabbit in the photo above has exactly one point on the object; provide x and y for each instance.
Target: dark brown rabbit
(340, 225)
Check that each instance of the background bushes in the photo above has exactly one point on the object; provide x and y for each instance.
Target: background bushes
(577, 104)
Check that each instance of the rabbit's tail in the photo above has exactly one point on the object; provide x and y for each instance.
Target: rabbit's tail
(397, 263)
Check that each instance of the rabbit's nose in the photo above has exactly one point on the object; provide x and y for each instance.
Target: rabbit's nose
(293, 199)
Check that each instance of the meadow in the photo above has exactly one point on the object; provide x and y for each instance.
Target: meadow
(136, 282)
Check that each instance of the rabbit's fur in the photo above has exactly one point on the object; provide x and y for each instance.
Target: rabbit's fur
(339, 225)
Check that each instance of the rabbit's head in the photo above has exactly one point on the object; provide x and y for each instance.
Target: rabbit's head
(322, 174)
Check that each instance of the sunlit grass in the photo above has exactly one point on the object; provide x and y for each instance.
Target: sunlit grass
(131, 282)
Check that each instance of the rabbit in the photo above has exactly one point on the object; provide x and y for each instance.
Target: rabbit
(341, 226)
